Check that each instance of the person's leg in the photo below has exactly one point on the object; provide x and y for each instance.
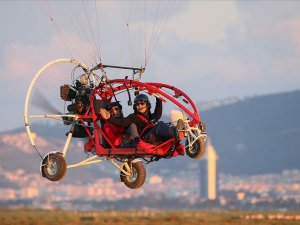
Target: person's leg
(130, 133)
(159, 133)
(134, 133)
(152, 138)
(164, 132)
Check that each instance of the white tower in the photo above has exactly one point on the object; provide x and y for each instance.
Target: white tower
(209, 173)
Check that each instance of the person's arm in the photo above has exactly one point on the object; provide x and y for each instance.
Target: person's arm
(158, 109)
(117, 121)
(121, 122)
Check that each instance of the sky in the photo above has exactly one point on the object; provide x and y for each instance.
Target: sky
(209, 49)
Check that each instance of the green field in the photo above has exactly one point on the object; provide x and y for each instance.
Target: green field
(45, 217)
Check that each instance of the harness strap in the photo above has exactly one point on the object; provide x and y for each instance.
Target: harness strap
(143, 118)
(148, 126)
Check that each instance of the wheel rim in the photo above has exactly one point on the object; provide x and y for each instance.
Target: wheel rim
(134, 175)
(194, 148)
(52, 167)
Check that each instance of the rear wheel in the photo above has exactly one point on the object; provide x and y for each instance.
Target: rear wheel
(197, 150)
(137, 177)
(54, 167)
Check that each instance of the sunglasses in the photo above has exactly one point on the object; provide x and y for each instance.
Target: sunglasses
(140, 103)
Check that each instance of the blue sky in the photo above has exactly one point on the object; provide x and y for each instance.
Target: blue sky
(210, 49)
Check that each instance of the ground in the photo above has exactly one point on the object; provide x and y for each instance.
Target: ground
(45, 217)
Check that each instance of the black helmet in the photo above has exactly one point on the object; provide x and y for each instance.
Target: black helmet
(113, 104)
(141, 97)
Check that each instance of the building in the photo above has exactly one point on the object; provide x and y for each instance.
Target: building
(209, 173)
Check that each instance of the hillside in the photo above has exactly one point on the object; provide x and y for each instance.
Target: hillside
(257, 135)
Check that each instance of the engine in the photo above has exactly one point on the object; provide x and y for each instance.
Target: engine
(78, 95)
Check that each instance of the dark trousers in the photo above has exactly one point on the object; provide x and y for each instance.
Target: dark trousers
(159, 133)
(156, 135)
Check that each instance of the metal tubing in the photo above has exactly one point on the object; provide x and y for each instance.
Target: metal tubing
(51, 116)
(86, 162)
(116, 67)
(120, 168)
(68, 140)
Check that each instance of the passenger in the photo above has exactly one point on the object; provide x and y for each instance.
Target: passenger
(147, 127)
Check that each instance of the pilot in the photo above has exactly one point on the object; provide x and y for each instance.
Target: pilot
(119, 136)
(114, 133)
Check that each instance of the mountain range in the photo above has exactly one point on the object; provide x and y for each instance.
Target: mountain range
(256, 135)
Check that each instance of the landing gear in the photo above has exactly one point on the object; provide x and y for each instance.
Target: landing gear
(137, 175)
(195, 143)
(197, 150)
(54, 166)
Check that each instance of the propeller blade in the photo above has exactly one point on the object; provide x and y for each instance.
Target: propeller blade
(40, 101)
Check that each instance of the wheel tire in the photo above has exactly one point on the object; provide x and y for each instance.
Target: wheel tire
(197, 150)
(54, 167)
(138, 177)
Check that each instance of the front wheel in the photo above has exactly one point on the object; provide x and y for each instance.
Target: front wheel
(197, 150)
(54, 167)
(137, 177)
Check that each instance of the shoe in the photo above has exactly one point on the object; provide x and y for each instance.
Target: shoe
(136, 140)
(180, 129)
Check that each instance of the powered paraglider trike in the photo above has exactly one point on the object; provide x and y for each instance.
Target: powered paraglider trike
(69, 84)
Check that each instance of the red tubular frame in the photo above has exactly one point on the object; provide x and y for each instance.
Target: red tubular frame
(106, 92)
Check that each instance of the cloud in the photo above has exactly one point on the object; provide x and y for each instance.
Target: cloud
(242, 50)
(224, 69)
(206, 22)
(18, 61)
(291, 27)
(23, 60)
(208, 44)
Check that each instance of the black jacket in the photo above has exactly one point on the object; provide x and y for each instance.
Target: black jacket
(133, 118)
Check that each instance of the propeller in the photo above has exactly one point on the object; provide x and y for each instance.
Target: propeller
(40, 101)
